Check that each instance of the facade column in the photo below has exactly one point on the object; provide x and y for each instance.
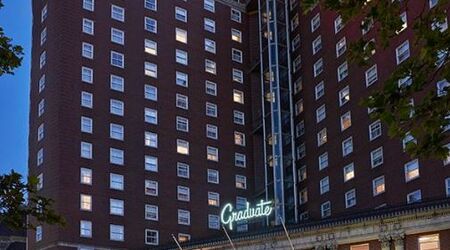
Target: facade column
(399, 242)
(385, 241)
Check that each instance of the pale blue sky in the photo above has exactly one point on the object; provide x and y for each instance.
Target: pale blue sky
(15, 18)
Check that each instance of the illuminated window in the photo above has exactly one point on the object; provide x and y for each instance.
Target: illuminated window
(360, 247)
(181, 35)
(236, 35)
(349, 172)
(241, 182)
(412, 170)
(86, 176)
(346, 121)
(239, 138)
(322, 137)
(213, 199)
(378, 186)
(151, 139)
(212, 153)
(150, 47)
(85, 202)
(182, 147)
(344, 96)
(184, 237)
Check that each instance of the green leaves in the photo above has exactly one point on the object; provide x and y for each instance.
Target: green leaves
(10, 55)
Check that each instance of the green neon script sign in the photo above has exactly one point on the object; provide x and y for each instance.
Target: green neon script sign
(228, 216)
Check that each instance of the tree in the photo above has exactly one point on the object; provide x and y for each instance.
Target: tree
(19, 200)
(10, 55)
(427, 120)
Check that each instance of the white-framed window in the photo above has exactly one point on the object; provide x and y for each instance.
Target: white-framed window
(182, 124)
(209, 5)
(409, 138)
(151, 139)
(325, 209)
(88, 26)
(295, 42)
(238, 96)
(413, 197)
(239, 138)
(151, 47)
(441, 87)
(181, 101)
(300, 129)
(350, 198)
(85, 202)
(182, 147)
(87, 50)
(86, 150)
(211, 109)
(344, 96)
(302, 175)
(319, 90)
(151, 4)
(86, 176)
(40, 132)
(181, 57)
(402, 52)
(116, 207)
(236, 35)
(412, 170)
(210, 66)
(342, 71)
(116, 156)
(346, 121)
(85, 229)
(213, 176)
(297, 63)
(209, 25)
(151, 212)
(40, 157)
(184, 217)
(212, 153)
(183, 170)
(238, 117)
(376, 157)
(404, 18)
(151, 237)
(151, 116)
(371, 75)
(116, 181)
(117, 36)
(323, 160)
(321, 113)
(116, 131)
(298, 107)
(150, 25)
(322, 137)
(241, 182)
(151, 188)
(40, 181)
(240, 160)
(87, 100)
(213, 199)
(42, 83)
(375, 130)
(116, 107)
(236, 55)
(318, 67)
(151, 163)
(210, 88)
(341, 47)
(447, 187)
(300, 151)
(441, 25)
(210, 45)
(180, 14)
(315, 22)
(294, 22)
(183, 193)
(338, 24)
(117, 83)
(378, 185)
(43, 59)
(117, 13)
(213, 221)
(317, 44)
(235, 15)
(44, 13)
(324, 185)
(212, 131)
(38, 233)
(349, 172)
(303, 196)
(88, 5)
(87, 75)
(238, 75)
(150, 92)
(347, 146)
(181, 35)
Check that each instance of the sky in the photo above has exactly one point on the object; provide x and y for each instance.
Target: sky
(15, 18)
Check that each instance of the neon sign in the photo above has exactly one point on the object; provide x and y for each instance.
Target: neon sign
(228, 216)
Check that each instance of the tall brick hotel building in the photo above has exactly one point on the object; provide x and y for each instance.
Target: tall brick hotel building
(148, 116)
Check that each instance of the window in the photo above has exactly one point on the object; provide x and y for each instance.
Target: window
(182, 147)
(302, 173)
(181, 79)
(321, 113)
(317, 45)
(344, 96)
(210, 66)
(184, 217)
(181, 35)
(442, 87)
(346, 121)
(350, 198)
(42, 59)
(210, 45)
(323, 160)
(151, 163)
(151, 139)
(315, 22)
(40, 157)
(182, 124)
(440, 24)
(447, 186)
(318, 67)
(42, 83)
(85, 229)
(325, 209)
(378, 186)
(367, 25)
(319, 90)
(181, 101)
(376, 157)
(211, 88)
(116, 156)
(236, 55)
(86, 176)
(86, 100)
(88, 26)
(116, 207)
(239, 138)
(409, 138)
(301, 151)
(182, 170)
(151, 237)
(402, 52)
(375, 130)
(404, 19)
(85, 202)
(44, 13)
(87, 50)
(429, 242)
(324, 185)
(150, 47)
(322, 137)
(238, 117)
(209, 25)
(86, 150)
(296, 64)
(236, 35)
(447, 160)
(295, 42)
(151, 212)
(303, 196)
(87, 74)
(117, 36)
(213, 176)
(213, 199)
(298, 106)
(181, 57)
(371, 75)
(349, 172)
(342, 71)
(300, 129)
(41, 107)
(40, 133)
(38, 233)
(212, 153)
(116, 181)
(294, 22)
(116, 107)
(240, 160)
(341, 47)
(151, 116)
(211, 109)
(236, 15)
(238, 76)
(412, 170)
(238, 96)
(213, 221)
(150, 24)
(180, 14)
(117, 83)
(88, 5)
(211, 131)
(150, 4)
(209, 5)
(338, 24)
(116, 233)
(183, 193)
(150, 93)
(347, 146)
(414, 197)
(241, 182)
(116, 131)
(117, 13)
(40, 182)
(151, 188)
